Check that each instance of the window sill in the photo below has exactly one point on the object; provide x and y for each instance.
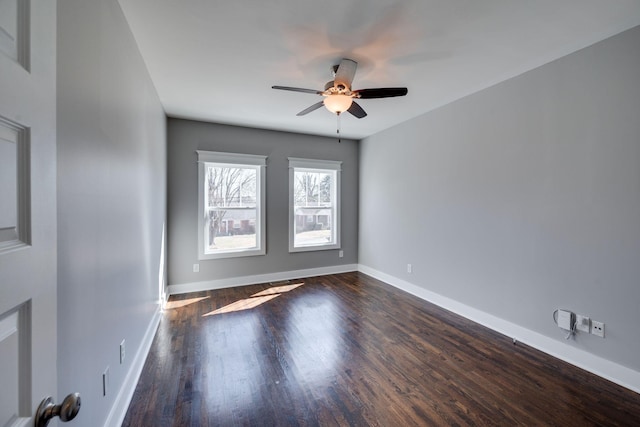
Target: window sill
(234, 254)
(314, 248)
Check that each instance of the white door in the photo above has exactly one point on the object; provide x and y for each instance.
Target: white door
(27, 208)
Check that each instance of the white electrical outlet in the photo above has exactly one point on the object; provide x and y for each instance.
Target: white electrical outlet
(196, 268)
(583, 323)
(409, 268)
(340, 254)
(122, 352)
(597, 328)
(564, 319)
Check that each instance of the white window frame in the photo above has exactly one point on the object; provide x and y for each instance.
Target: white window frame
(232, 160)
(315, 166)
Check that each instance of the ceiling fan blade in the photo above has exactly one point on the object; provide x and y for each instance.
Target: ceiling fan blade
(310, 109)
(297, 89)
(381, 92)
(345, 73)
(357, 110)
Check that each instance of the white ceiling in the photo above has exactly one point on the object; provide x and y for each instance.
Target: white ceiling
(216, 60)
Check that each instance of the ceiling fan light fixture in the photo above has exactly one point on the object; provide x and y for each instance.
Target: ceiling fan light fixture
(338, 103)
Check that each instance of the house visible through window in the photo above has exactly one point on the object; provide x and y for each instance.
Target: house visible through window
(231, 205)
(314, 211)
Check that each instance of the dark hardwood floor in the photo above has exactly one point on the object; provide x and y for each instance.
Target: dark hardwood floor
(347, 349)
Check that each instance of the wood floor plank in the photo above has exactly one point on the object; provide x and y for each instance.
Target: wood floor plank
(349, 350)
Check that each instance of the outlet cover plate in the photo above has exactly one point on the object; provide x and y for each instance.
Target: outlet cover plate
(597, 328)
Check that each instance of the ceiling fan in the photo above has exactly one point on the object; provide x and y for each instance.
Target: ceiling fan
(338, 96)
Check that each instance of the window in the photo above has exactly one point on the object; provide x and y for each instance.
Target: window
(231, 212)
(314, 205)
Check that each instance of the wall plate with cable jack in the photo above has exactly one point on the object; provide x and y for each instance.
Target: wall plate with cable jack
(583, 323)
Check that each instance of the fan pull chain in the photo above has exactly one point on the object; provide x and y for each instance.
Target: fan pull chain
(338, 130)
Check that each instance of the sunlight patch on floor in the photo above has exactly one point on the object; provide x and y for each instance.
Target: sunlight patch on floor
(255, 299)
(278, 290)
(243, 304)
(171, 305)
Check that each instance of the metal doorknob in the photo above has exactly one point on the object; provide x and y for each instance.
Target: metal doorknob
(66, 411)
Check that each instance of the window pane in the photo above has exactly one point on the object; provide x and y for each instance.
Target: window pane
(313, 208)
(231, 230)
(231, 186)
(313, 188)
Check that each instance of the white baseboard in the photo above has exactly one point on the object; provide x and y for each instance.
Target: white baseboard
(604, 368)
(259, 278)
(123, 399)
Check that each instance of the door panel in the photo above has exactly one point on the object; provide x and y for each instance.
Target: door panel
(15, 217)
(27, 208)
(14, 31)
(15, 368)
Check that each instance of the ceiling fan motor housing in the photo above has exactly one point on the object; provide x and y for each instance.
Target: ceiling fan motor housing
(331, 88)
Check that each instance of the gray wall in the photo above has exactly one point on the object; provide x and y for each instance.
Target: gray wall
(522, 198)
(111, 201)
(185, 137)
